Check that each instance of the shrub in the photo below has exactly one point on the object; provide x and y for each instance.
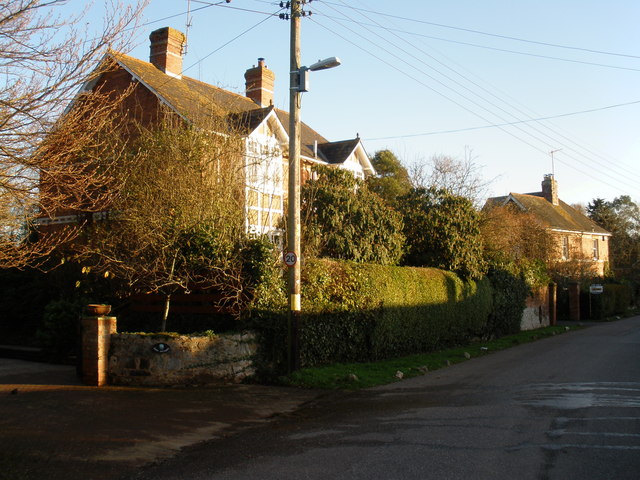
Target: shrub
(442, 231)
(510, 293)
(361, 312)
(59, 334)
(614, 300)
(343, 219)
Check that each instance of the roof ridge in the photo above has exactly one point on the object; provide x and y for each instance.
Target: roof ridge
(184, 77)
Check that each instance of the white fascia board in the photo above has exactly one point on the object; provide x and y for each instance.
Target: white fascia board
(317, 161)
(364, 160)
(511, 198)
(600, 234)
(280, 132)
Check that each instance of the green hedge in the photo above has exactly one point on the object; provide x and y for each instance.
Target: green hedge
(362, 312)
(614, 300)
(510, 293)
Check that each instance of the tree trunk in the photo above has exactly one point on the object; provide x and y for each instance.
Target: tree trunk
(165, 313)
(167, 303)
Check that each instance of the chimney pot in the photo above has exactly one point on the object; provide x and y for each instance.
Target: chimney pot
(165, 50)
(259, 82)
(550, 189)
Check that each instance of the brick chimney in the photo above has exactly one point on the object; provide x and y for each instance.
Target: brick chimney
(550, 189)
(259, 84)
(166, 50)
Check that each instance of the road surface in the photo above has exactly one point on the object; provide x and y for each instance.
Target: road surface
(567, 407)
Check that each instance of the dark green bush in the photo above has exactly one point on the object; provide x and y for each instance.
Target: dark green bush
(59, 335)
(510, 293)
(340, 224)
(23, 296)
(614, 300)
(361, 312)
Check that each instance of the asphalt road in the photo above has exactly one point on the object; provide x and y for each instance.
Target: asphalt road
(567, 407)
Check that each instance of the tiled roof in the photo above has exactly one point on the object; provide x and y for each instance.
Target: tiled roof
(192, 98)
(308, 136)
(338, 152)
(189, 97)
(250, 119)
(558, 217)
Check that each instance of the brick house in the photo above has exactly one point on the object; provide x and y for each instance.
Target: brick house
(159, 84)
(576, 237)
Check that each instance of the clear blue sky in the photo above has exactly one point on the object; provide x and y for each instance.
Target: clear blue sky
(421, 67)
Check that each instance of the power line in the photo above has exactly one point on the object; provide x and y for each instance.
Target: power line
(232, 40)
(268, 17)
(479, 32)
(581, 145)
(547, 142)
(496, 49)
(226, 5)
(403, 72)
(480, 127)
(624, 176)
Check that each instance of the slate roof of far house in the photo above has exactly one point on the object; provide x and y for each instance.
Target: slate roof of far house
(338, 152)
(557, 217)
(192, 98)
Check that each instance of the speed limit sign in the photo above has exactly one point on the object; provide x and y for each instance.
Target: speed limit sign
(290, 258)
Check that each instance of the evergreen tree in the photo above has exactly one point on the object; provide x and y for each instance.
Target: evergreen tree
(443, 231)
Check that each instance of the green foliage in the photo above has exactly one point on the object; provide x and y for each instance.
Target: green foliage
(25, 293)
(352, 376)
(532, 271)
(443, 231)
(615, 299)
(344, 220)
(260, 262)
(23, 296)
(59, 334)
(391, 180)
(510, 292)
(622, 218)
(176, 212)
(365, 312)
(267, 312)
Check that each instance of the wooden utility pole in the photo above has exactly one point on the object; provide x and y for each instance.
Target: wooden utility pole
(293, 219)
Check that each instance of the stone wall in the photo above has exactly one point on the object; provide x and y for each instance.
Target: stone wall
(163, 360)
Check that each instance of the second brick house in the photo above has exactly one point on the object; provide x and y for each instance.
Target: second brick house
(576, 237)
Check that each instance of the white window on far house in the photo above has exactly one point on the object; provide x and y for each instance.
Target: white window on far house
(595, 249)
(565, 247)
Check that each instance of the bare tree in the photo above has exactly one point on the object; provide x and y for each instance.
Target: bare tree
(44, 59)
(176, 218)
(459, 176)
(510, 234)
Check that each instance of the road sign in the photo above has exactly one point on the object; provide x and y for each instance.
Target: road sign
(596, 289)
(290, 259)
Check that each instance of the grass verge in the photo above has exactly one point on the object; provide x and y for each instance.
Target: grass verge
(353, 376)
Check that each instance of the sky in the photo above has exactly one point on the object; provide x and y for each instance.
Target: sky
(425, 78)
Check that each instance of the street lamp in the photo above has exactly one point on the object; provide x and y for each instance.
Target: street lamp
(298, 83)
(303, 72)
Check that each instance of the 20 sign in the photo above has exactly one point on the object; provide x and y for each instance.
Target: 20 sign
(290, 259)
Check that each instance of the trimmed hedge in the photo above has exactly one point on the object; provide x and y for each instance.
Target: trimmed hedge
(362, 312)
(614, 300)
(510, 293)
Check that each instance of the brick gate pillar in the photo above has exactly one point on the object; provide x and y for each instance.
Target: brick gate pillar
(553, 302)
(96, 336)
(574, 302)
